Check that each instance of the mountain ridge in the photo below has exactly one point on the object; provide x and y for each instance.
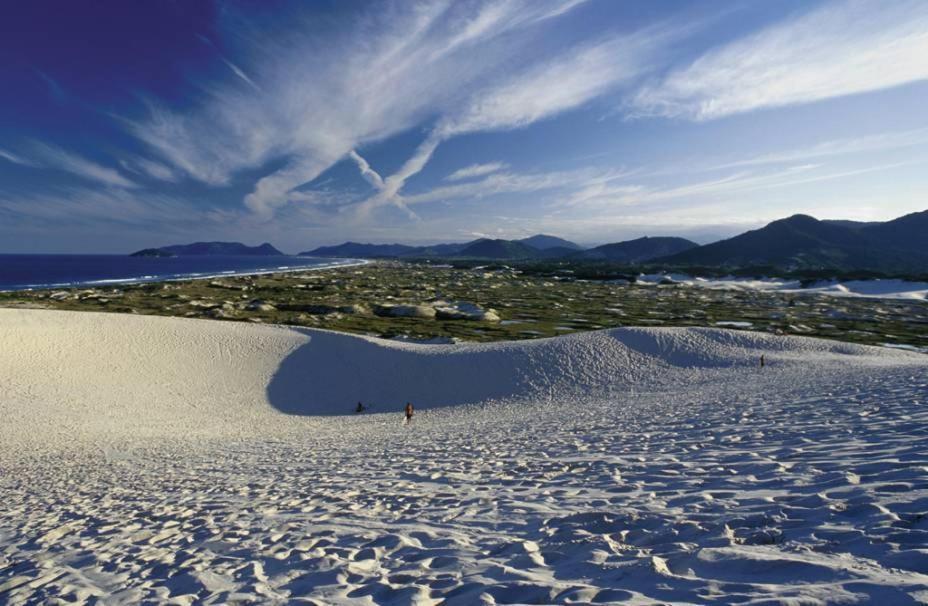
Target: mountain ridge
(804, 242)
(546, 242)
(638, 250)
(797, 242)
(539, 245)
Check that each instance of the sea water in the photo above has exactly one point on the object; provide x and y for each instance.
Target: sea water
(22, 272)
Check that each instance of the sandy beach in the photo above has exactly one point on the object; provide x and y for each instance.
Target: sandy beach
(167, 460)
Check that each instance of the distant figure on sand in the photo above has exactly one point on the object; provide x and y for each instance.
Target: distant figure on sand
(408, 413)
(360, 408)
(763, 361)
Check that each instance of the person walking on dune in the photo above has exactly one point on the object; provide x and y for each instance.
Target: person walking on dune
(409, 411)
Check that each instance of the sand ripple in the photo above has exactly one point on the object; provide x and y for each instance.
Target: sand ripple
(804, 483)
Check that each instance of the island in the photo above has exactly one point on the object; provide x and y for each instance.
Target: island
(227, 249)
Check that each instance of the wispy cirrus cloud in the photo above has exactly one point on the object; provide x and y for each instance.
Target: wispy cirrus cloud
(326, 93)
(210, 144)
(475, 170)
(151, 168)
(43, 154)
(240, 73)
(235, 69)
(369, 174)
(556, 86)
(842, 48)
(838, 147)
(86, 205)
(607, 192)
(540, 92)
(16, 158)
(505, 183)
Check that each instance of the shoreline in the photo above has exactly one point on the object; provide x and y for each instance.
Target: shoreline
(116, 282)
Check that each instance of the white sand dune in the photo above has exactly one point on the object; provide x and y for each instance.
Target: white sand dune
(903, 290)
(185, 461)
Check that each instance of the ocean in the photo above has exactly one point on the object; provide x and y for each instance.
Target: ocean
(23, 272)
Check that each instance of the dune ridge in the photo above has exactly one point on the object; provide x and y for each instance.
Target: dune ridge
(134, 368)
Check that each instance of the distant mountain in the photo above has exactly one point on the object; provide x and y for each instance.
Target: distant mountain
(441, 250)
(557, 252)
(797, 242)
(209, 248)
(546, 242)
(498, 249)
(851, 224)
(803, 242)
(355, 249)
(536, 247)
(637, 251)
(540, 245)
(909, 232)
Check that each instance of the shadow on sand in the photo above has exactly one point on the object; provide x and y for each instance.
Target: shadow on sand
(333, 371)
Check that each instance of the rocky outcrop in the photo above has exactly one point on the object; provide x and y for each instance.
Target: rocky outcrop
(355, 309)
(404, 311)
(466, 311)
(259, 305)
(318, 309)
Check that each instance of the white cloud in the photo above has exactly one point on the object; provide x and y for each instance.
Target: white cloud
(369, 174)
(209, 145)
(235, 69)
(389, 193)
(843, 48)
(328, 92)
(562, 186)
(540, 92)
(475, 170)
(241, 74)
(601, 193)
(545, 90)
(94, 206)
(55, 157)
(837, 147)
(501, 183)
(151, 168)
(475, 23)
(15, 158)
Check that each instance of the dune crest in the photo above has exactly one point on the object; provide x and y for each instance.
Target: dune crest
(144, 373)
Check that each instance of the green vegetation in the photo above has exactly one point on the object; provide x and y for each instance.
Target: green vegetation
(392, 299)
(594, 269)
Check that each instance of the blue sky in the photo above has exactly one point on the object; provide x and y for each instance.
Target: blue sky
(126, 125)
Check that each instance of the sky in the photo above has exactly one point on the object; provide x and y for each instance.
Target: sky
(125, 125)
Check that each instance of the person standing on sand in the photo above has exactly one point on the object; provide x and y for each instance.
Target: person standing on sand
(409, 410)
(360, 408)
